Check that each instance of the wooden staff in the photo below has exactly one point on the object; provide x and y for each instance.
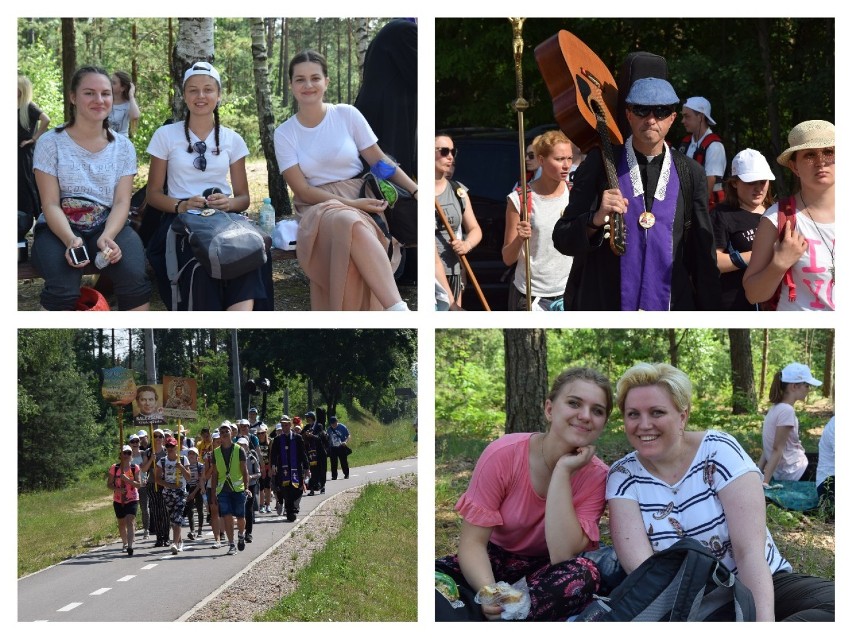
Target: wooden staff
(520, 105)
(462, 258)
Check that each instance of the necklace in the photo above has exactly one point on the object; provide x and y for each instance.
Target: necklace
(541, 449)
(821, 236)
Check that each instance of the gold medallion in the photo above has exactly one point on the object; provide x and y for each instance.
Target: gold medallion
(646, 220)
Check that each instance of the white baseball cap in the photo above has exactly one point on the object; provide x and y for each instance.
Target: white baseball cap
(750, 166)
(202, 68)
(696, 103)
(796, 373)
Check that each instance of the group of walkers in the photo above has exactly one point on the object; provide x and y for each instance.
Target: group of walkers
(696, 239)
(225, 477)
(84, 172)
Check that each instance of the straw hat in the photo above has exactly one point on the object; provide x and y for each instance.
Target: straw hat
(810, 134)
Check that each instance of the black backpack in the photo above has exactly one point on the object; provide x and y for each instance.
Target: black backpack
(685, 582)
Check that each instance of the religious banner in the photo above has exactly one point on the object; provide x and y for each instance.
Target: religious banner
(148, 406)
(119, 387)
(179, 401)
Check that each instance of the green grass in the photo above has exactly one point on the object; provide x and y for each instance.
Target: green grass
(56, 525)
(807, 542)
(368, 572)
(74, 520)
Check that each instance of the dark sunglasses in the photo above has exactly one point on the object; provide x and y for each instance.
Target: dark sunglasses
(660, 111)
(531, 156)
(445, 151)
(170, 445)
(200, 162)
(126, 452)
(158, 436)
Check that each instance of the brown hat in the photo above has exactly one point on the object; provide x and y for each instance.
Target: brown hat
(810, 134)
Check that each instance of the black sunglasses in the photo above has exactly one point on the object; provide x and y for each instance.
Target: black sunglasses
(660, 111)
(445, 151)
(531, 156)
(158, 436)
(126, 452)
(200, 162)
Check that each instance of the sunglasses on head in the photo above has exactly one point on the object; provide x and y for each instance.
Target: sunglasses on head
(660, 111)
(445, 151)
(200, 162)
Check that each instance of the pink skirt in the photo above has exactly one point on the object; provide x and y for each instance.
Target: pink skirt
(323, 247)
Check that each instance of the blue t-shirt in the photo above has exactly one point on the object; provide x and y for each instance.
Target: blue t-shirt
(338, 435)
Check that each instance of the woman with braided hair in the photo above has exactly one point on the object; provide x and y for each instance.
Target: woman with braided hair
(205, 165)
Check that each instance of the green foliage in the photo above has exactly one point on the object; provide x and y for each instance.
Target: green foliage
(39, 66)
(380, 530)
(58, 421)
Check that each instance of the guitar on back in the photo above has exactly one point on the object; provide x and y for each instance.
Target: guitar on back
(584, 96)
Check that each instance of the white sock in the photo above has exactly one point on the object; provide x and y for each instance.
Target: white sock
(399, 306)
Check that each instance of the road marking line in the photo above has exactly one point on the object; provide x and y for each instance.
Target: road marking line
(149, 567)
(99, 591)
(370, 472)
(70, 606)
(392, 468)
(126, 578)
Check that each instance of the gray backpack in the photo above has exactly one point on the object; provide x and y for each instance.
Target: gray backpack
(225, 245)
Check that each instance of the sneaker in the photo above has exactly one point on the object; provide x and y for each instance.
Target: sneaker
(180, 546)
(311, 494)
(199, 534)
(145, 535)
(216, 543)
(322, 491)
(130, 551)
(248, 538)
(232, 550)
(291, 518)
(124, 548)
(190, 535)
(174, 549)
(241, 544)
(279, 508)
(346, 477)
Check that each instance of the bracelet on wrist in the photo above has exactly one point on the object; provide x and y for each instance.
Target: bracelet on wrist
(177, 205)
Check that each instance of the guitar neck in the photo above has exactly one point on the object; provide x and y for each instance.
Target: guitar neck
(607, 152)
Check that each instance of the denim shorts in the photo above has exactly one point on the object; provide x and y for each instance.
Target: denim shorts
(232, 504)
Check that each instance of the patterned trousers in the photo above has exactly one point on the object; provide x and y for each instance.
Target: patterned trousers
(175, 500)
(557, 591)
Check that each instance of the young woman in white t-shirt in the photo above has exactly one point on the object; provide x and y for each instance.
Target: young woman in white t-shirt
(342, 250)
(201, 156)
(783, 456)
(808, 251)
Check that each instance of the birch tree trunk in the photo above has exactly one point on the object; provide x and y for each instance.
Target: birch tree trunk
(265, 117)
(526, 378)
(362, 41)
(194, 44)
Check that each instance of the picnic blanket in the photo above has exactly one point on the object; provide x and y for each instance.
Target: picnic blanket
(793, 495)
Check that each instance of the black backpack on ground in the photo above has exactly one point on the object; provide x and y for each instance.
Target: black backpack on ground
(685, 582)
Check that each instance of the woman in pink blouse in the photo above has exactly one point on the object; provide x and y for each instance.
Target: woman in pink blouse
(535, 501)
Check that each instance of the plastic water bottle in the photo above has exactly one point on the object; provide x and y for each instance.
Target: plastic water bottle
(101, 259)
(266, 216)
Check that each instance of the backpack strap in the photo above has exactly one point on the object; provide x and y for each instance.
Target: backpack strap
(787, 208)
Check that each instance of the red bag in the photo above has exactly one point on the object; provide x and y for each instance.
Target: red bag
(91, 300)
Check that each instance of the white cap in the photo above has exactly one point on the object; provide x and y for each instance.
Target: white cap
(142, 434)
(126, 449)
(202, 68)
(242, 441)
(696, 103)
(796, 373)
(750, 166)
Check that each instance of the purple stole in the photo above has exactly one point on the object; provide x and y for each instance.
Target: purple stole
(290, 460)
(646, 266)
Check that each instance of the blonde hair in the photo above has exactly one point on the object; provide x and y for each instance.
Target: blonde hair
(544, 144)
(672, 379)
(26, 89)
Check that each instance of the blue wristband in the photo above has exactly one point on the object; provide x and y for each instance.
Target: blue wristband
(736, 259)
